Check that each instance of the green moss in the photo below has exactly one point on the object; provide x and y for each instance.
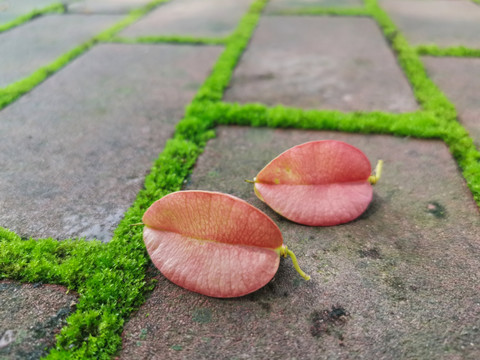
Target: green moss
(453, 51)
(54, 8)
(432, 100)
(420, 124)
(13, 91)
(324, 11)
(212, 89)
(170, 39)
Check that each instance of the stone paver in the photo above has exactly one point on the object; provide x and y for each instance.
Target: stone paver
(30, 317)
(39, 42)
(458, 78)
(320, 62)
(276, 5)
(200, 18)
(105, 6)
(74, 151)
(401, 282)
(441, 22)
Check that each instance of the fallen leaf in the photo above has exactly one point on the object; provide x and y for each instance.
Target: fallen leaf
(319, 183)
(212, 243)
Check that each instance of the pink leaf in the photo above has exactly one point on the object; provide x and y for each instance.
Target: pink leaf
(212, 243)
(319, 183)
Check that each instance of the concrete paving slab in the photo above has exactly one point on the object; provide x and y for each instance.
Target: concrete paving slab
(458, 78)
(105, 6)
(401, 282)
(323, 63)
(74, 151)
(276, 5)
(7, 17)
(441, 22)
(201, 18)
(42, 40)
(30, 317)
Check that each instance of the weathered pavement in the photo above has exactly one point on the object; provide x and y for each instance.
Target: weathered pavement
(400, 282)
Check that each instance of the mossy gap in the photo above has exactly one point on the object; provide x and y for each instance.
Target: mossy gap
(13, 91)
(51, 9)
(169, 39)
(111, 277)
(452, 51)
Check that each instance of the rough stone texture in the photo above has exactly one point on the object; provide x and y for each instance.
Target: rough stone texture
(320, 62)
(105, 6)
(276, 5)
(441, 22)
(30, 317)
(74, 152)
(39, 42)
(458, 78)
(401, 282)
(191, 18)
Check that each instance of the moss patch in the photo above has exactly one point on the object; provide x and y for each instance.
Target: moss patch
(54, 8)
(170, 39)
(324, 11)
(453, 51)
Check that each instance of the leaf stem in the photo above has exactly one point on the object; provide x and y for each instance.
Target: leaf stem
(249, 181)
(137, 224)
(373, 179)
(284, 252)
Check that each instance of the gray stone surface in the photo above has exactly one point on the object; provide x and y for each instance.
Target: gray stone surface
(276, 5)
(105, 6)
(458, 78)
(42, 40)
(400, 282)
(7, 17)
(201, 18)
(441, 22)
(30, 317)
(74, 151)
(320, 62)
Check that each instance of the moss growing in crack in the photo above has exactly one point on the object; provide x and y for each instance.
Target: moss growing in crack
(324, 11)
(432, 100)
(13, 91)
(212, 89)
(419, 124)
(54, 8)
(453, 51)
(170, 39)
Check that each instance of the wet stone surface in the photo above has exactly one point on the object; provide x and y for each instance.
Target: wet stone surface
(399, 282)
(441, 22)
(458, 78)
(74, 152)
(205, 18)
(30, 317)
(287, 63)
(278, 5)
(39, 42)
